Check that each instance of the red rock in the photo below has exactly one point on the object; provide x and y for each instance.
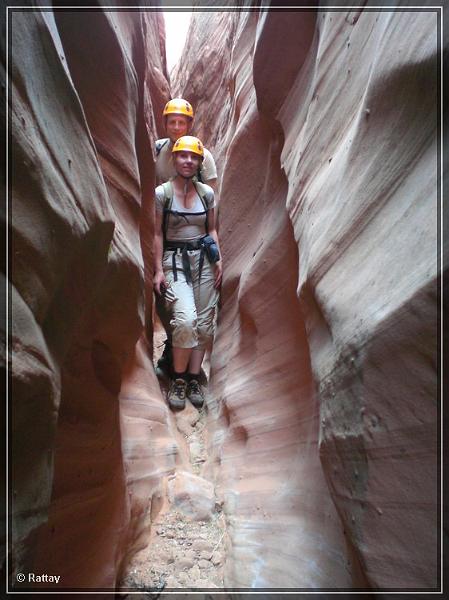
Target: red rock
(323, 390)
(84, 465)
(323, 408)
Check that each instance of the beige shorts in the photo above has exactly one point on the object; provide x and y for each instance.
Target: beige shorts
(192, 307)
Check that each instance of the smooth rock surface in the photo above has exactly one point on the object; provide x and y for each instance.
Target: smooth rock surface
(323, 400)
(324, 397)
(91, 436)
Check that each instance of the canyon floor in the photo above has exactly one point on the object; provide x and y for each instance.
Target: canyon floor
(186, 545)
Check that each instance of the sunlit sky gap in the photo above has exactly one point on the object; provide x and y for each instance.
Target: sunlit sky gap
(176, 26)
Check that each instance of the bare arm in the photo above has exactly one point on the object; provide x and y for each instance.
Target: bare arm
(158, 277)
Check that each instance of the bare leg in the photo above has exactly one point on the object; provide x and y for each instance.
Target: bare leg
(181, 358)
(196, 358)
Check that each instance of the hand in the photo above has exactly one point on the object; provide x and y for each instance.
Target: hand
(218, 273)
(159, 283)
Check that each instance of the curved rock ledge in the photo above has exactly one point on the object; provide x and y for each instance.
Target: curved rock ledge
(323, 416)
(325, 421)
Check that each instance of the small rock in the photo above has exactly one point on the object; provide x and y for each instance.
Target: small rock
(195, 451)
(205, 555)
(217, 558)
(192, 495)
(188, 554)
(165, 556)
(183, 578)
(204, 564)
(191, 415)
(199, 426)
(171, 582)
(186, 419)
(185, 563)
(194, 573)
(185, 428)
(203, 546)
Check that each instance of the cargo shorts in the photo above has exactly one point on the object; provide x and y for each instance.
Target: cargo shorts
(191, 307)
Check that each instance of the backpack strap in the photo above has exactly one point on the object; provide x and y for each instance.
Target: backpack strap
(159, 145)
(168, 201)
(202, 193)
(199, 176)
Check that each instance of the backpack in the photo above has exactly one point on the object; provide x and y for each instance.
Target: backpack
(159, 145)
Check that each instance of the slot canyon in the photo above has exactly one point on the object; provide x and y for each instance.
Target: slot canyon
(316, 461)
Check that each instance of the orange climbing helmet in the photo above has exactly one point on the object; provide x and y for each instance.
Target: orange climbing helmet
(178, 106)
(189, 143)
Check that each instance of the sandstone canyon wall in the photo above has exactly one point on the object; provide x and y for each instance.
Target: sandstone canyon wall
(323, 402)
(324, 420)
(90, 436)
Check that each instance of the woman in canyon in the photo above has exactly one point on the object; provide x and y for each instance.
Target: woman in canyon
(187, 267)
(178, 119)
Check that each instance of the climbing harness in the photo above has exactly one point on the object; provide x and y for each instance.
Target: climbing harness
(206, 244)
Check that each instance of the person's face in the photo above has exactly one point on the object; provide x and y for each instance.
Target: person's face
(177, 126)
(186, 163)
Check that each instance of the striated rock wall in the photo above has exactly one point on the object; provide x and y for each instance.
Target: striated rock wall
(324, 417)
(324, 401)
(90, 436)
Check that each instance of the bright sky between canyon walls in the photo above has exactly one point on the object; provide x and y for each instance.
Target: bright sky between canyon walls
(176, 26)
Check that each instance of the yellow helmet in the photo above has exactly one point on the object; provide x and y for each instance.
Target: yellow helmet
(189, 144)
(178, 106)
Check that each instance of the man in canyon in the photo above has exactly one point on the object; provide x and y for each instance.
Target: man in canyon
(178, 117)
(187, 268)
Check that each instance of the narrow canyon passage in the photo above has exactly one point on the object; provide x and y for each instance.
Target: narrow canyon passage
(186, 545)
(314, 464)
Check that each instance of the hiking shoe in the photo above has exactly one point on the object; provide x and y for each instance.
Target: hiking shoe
(164, 364)
(177, 393)
(195, 393)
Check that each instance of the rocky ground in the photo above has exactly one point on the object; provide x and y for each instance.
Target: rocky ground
(186, 546)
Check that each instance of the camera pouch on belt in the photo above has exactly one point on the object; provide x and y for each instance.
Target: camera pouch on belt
(210, 248)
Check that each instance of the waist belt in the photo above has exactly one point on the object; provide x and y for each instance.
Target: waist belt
(185, 247)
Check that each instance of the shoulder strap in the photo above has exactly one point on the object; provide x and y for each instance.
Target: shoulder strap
(168, 195)
(202, 193)
(159, 145)
(168, 201)
(199, 177)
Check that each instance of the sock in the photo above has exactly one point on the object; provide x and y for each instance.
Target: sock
(181, 375)
(193, 376)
